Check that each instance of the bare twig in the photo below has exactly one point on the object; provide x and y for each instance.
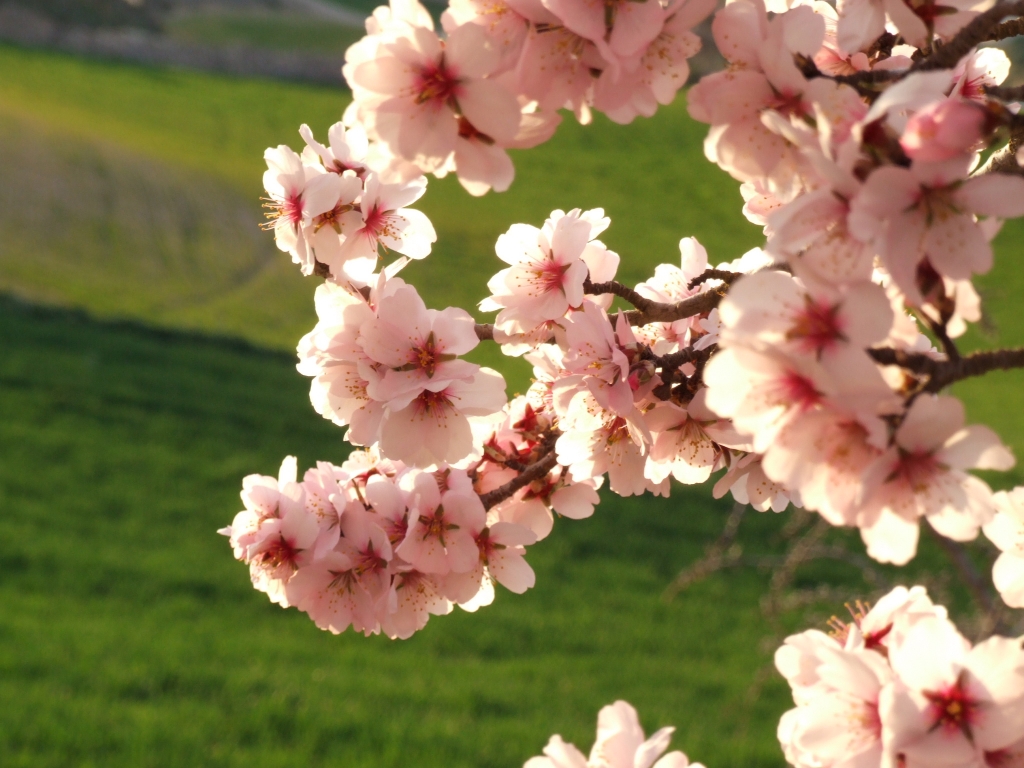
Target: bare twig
(1007, 29)
(977, 31)
(979, 586)
(485, 331)
(718, 555)
(533, 472)
(658, 312)
(942, 373)
(724, 275)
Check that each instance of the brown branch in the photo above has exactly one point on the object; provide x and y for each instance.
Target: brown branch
(533, 472)
(618, 289)
(977, 31)
(942, 373)
(982, 28)
(1007, 29)
(484, 331)
(657, 312)
(724, 275)
(1004, 159)
(1006, 92)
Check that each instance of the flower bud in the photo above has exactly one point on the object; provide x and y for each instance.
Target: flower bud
(943, 130)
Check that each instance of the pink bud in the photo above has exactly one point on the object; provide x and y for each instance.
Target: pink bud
(943, 130)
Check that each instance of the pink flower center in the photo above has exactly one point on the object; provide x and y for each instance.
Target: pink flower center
(435, 525)
(432, 403)
(916, 469)
(953, 709)
(370, 561)
(799, 391)
(818, 326)
(486, 546)
(436, 84)
(290, 210)
(281, 552)
(550, 275)
(343, 581)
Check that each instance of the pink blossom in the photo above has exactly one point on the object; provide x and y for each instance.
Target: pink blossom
(440, 537)
(663, 68)
(506, 28)
(765, 391)
(621, 32)
(620, 743)
(812, 234)
(953, 702)
(748, 484)
(346, 149)
(387, 222)
(548, 268)
(774, 309)
(595, 362)
(414, 90)
(840, 724)
(595, 441)
(684, 441)
(501, 547)
(1006, 531)
(432, 425)
(984, 67)
(556, 66)
(416, 346)
(922, 475)
(414, 598)
(299, 193)
(671, 284)
(928, 210)
(943, 130)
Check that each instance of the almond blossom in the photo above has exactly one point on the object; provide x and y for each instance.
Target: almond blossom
(620, 744)
(548, 269)
(953, 702)
(298, 194)
(1006, 531)
(923, 475)
(929, 210)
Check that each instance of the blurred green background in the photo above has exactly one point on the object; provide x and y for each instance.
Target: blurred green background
(147, 329)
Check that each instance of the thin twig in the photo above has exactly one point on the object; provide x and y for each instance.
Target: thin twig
(1011, 28)
(977, 584)
(942, 373)
(533, 472)
(977, 31)
(724, 275)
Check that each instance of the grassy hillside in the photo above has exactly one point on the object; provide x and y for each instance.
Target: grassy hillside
(128, 636)
(212, 131)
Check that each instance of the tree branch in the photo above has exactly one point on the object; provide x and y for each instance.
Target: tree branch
(658, 312)
(942, 373)
(533, 472)
(1007, 29)
(977, 31)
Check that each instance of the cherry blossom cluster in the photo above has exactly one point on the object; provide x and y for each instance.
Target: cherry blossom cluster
(375, 545)
(333, 214)
(500, 73)
(900, 686)
(620, 743)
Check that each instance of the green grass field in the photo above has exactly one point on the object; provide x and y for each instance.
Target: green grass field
(128, 635)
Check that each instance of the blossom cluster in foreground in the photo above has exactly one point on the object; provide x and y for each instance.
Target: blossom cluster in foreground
(900, 686)
(620, 743)
(375, 545)
(812, 371)
(500, 73)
